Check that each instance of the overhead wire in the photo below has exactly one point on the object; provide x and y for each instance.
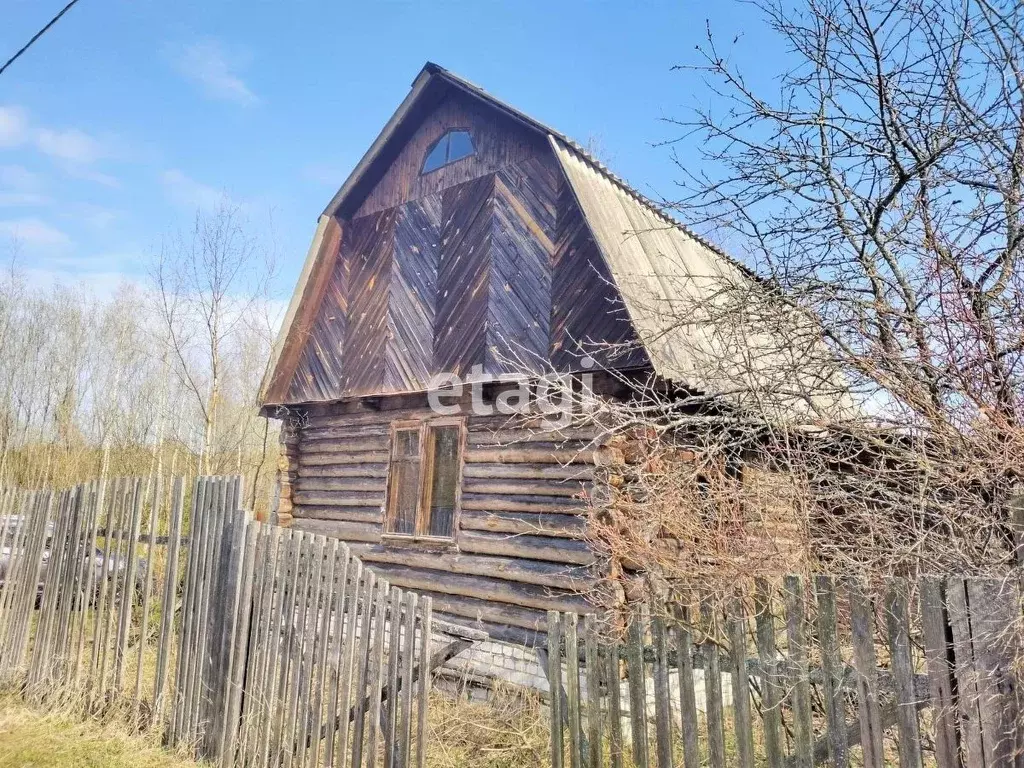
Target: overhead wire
(36, 36)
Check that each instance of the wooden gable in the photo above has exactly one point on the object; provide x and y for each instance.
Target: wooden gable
(487, 262)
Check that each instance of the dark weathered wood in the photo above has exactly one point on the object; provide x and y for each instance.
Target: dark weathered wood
(938, 652)
(969, 715)
(525, 471)
(389, 710)
(572, 689)
(687, 692)
(637, 689)
(898, 624)
(662, 698)
(832, 671)
(524, 487)
(528, 547)
(236, 666)
(557, 526)
(712, 687)
(771, 680)
(799, 682)
(862, 623)
(531, 456)
(423, 679)
(408, 662)
(995, 607)
(568, 577)
(554, 673)
(371, 616)
(742, 722)
(360, 587)
(614, 705)
(483, 588)
(593, 668)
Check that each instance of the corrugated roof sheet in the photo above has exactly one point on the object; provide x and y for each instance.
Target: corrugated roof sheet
(704, 321)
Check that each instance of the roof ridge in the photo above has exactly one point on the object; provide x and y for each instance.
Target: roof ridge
(436, 69)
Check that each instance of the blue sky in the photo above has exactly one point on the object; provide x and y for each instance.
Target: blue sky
(131, 114)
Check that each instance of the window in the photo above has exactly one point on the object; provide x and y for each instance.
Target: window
(423, 478)
(453, 146)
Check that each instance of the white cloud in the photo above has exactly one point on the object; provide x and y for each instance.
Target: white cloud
(93, 216)
(34, 234)
(74, 151)
(186, 192)
(214, 70)
(71, 145)
(20, 178)
(12, 199)
(103, 285)
(14, 128)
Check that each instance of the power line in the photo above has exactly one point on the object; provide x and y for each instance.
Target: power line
(36, 36)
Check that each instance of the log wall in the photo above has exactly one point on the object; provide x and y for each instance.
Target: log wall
(518, 550)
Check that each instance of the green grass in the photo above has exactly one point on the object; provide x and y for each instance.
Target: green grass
(31, 738)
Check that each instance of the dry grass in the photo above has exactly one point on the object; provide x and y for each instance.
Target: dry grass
(509, 731)
(32, 738)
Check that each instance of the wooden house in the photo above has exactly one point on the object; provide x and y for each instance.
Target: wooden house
(469, 236)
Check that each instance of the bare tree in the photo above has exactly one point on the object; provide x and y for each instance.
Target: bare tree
(209, 282)
(874, 197)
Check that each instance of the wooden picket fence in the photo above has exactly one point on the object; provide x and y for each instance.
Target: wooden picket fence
(243, 643)
(927, 674)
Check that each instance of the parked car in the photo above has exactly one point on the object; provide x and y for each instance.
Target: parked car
(102, 566)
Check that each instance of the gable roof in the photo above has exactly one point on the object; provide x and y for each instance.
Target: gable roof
(657, 263)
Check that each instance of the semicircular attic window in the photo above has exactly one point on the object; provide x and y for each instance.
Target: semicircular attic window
(454, 145)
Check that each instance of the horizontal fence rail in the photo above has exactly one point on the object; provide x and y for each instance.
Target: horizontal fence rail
(796, 674)
(243, 643)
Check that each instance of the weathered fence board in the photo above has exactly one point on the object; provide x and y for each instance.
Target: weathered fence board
(244, 643)
(846, 684)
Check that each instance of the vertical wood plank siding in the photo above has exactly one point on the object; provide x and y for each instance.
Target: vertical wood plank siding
(487, 261)
(519, 305)
(459, 332)
(318, 374)
(370, 251)
(587, 312)
(409, 356)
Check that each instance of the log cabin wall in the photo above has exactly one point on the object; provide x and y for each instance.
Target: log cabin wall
(486, 263)
(518, 548)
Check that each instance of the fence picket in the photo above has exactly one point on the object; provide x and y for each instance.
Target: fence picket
(662, 700)
(771, 687)
(903, 674)
(742, 721)
(832, 672)
(375, 673)
(555, 687)
(995, 605)
(862, 623)
(937, 656)
(367, 612)
(637, 689)
(712, 688)
(593, 667)
(423, 682)
(404, 739)
(799, 680)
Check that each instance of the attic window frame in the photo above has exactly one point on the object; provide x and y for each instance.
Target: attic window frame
(426, 465)
(446, 137)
